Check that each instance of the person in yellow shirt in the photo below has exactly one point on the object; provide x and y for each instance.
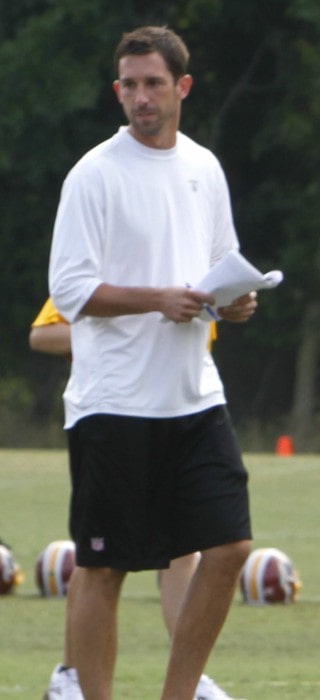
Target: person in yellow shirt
(50, 333)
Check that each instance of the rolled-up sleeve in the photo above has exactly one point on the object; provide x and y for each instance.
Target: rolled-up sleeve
(225, 237)
(75, 267)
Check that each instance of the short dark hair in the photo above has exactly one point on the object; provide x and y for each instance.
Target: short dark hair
(145, 40)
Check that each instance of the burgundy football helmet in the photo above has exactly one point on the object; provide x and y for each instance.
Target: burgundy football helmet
(54, 567)
(268, 576)
(10, 572)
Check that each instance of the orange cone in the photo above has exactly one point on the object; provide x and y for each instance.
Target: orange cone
(284, 445)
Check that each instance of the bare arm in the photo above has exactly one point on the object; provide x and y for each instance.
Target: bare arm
(179, 304)
(53, 338)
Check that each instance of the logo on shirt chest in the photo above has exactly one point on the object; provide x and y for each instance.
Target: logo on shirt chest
(194, 185)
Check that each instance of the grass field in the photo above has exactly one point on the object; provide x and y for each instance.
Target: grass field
(264, 653)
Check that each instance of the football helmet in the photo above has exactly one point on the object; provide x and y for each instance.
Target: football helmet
(53, 568)
(268, 576)
(10, 572)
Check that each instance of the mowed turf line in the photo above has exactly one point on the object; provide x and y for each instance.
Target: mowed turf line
(264, 653)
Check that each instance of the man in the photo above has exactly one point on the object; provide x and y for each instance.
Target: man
(156, 471)
(50, 333)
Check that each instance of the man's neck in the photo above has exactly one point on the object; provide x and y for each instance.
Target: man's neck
(158, 141)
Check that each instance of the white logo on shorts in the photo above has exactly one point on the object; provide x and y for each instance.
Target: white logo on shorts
(97, 544)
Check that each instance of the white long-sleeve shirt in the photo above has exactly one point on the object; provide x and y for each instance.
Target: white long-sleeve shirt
(130, 215)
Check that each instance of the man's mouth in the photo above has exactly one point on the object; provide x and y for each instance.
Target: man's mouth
(144, 113)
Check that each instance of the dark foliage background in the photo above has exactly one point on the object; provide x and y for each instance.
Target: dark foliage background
(255, 102)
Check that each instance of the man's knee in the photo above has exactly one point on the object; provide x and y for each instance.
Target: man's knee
(241, 551)
(103, 579)
(228, 557)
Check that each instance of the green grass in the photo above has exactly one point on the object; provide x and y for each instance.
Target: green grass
(263, 653)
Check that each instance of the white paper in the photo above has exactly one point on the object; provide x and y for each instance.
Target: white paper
(232, 277)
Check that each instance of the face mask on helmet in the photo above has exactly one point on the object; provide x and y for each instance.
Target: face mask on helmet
(54, 567)
(268, 576)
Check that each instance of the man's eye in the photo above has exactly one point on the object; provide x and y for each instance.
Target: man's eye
(154, 82)
(129, 84)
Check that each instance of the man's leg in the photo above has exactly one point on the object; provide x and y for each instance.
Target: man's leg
(202, 616)
(173, 584)
(91, 639)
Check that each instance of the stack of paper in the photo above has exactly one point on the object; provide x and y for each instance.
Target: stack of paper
(232, 277)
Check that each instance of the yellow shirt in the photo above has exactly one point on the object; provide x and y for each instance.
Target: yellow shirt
(212, 334)
(47, 315)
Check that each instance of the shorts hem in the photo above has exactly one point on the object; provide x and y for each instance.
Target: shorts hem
(134, 567)
(184, 551)
(92, 562)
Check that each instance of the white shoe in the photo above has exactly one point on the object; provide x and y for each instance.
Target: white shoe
(64, 685)
(207, 689)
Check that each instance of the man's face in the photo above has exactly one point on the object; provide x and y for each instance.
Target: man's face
(150, 97)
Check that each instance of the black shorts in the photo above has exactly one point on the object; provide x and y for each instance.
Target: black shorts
(146, 490)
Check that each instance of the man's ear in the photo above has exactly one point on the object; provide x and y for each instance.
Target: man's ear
(185, 85)
(116, 87)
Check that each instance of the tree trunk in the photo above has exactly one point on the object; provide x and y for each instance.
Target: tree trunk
(305, 390)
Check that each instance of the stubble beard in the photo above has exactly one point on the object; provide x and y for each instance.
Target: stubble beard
(155, 127)
(145, 128)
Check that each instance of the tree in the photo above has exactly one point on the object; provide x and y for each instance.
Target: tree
(264, 87)
(255, 102)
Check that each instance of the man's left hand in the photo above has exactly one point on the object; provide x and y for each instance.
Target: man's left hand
(240, 310)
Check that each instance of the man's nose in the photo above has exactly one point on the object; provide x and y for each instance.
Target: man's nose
(141, 96)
